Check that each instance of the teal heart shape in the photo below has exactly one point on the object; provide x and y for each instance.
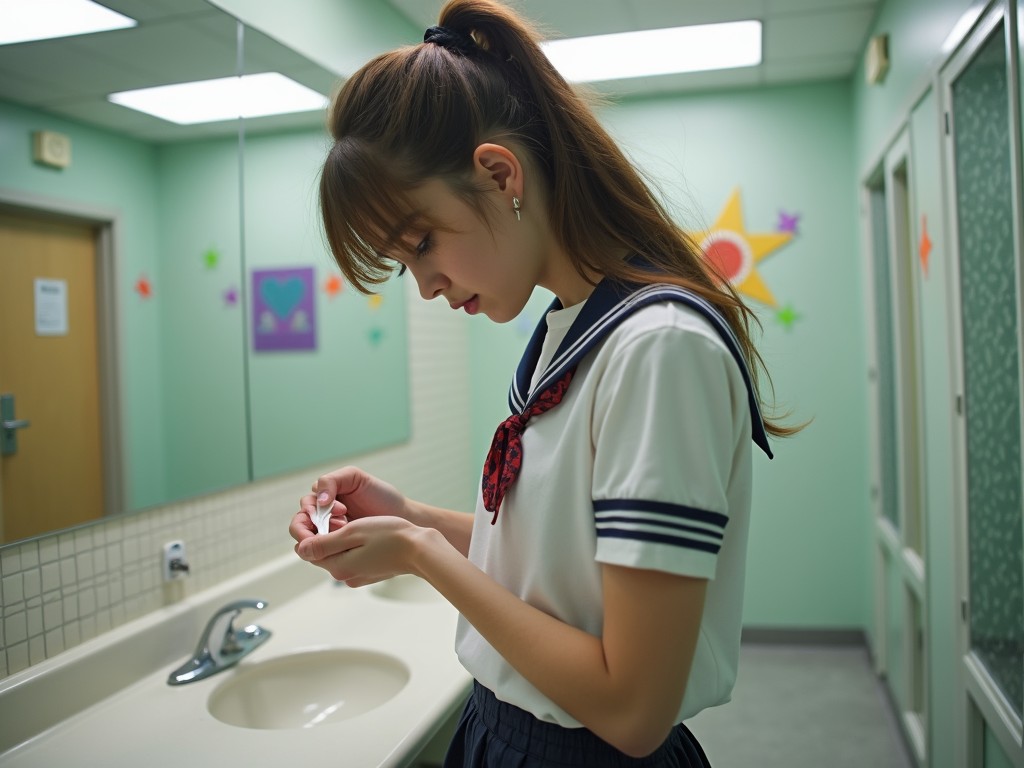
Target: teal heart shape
(282, 296)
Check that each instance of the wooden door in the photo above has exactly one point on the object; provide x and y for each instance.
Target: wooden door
(55, 479)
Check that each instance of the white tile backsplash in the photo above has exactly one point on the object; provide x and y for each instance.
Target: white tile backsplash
(63, 589)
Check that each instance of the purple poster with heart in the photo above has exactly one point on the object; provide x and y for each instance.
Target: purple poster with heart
(283, 309)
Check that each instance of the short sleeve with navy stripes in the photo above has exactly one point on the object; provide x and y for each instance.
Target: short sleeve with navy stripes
(670, 409)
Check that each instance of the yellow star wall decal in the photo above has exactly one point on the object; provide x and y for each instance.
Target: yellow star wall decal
(736, 252)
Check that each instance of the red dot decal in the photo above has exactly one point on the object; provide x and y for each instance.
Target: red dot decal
(726, 257)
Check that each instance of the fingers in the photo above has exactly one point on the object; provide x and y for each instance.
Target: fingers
(337, 483)
(301, 526)
(314, 548)
(309, 505)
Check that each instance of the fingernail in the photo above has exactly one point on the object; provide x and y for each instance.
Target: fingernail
(322, 498)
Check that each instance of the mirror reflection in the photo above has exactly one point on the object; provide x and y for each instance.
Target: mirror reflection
(173, 325)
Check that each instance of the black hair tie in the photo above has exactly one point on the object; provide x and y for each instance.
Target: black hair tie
(452, 39)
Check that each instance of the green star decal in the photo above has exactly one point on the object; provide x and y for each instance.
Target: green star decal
(211, 257)
(787, 316)
(376, 336)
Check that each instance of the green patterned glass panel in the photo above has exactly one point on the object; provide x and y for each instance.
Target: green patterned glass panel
(884, 335)
(992, 383)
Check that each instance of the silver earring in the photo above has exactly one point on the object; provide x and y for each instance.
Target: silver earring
(515, 207)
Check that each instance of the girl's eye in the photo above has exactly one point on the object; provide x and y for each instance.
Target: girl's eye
(424, 246)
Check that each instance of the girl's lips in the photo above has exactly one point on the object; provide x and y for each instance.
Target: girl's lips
(472, 306)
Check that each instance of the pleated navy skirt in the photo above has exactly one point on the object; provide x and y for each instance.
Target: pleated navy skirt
(493, 734)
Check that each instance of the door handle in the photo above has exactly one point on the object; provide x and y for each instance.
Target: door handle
(10, 425)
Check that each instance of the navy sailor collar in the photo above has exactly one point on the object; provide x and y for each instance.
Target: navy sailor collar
(609, 304)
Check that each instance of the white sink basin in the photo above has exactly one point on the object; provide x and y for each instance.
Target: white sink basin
(307, 689)
(407, 589)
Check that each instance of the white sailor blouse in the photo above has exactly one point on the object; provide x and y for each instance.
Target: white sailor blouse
(643, 459)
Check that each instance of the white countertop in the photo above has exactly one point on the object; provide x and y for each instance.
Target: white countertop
(149, 723)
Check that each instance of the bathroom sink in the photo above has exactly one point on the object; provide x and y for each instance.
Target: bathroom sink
(407, 589)
(307, 689)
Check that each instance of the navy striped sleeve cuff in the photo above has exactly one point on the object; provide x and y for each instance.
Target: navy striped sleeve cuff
(661, 523)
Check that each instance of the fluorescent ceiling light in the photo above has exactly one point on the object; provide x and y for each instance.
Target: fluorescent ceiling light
(225, 98)
(657, 51)
(25, 20)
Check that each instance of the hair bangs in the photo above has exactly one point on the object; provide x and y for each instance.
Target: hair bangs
(365, 212)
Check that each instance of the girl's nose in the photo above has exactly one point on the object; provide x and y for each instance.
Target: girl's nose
(432, 285)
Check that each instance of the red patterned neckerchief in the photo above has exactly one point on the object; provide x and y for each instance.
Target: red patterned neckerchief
(505, 458)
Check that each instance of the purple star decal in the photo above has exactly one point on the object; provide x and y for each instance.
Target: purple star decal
(231, 297)
(787, 222)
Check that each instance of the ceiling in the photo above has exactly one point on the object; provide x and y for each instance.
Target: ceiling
(175, 41)
(804, 40)
(182, 40)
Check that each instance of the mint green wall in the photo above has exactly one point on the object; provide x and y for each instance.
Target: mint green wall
(351, 394)
(116, 175)
(305, 406)
(808, 561)
(202, 347)
(807, 554)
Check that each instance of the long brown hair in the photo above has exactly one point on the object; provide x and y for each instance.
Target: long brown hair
(419, 112)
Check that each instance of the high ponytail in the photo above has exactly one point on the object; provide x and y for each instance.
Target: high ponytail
(419, 112)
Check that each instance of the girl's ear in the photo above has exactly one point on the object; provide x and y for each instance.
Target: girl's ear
(500, 166)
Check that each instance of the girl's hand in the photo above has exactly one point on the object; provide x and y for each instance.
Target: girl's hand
(352, 494)
(365, 550)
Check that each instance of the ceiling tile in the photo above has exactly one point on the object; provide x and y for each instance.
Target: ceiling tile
(655, 14)
(816, 34)
(776, 7)
(26, 86)
(171, 52)
(808, 69)
(64, 65)
(577, 18)
(157, 10)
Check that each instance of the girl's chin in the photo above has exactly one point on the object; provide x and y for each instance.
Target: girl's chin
(504, 313)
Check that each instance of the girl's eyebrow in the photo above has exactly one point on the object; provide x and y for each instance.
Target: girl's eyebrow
(397, 233)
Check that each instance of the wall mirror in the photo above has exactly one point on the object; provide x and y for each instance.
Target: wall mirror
(199, 338)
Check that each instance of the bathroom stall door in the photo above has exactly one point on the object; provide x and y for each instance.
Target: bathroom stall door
(898, 641)
(982, 149)
(908, 579)
(48, 363)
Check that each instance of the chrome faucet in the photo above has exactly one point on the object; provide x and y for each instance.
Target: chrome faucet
(221, 645)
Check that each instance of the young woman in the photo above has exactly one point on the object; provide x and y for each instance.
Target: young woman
(600, 579)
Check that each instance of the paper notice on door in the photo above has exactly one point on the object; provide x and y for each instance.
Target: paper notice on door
(51, 307)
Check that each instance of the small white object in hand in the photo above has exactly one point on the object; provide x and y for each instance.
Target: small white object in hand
(322, 518)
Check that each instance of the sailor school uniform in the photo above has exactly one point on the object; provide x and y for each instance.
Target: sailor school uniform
(645, 463)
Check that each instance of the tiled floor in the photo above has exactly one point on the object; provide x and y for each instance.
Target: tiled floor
(803, 707)
(797, 707)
